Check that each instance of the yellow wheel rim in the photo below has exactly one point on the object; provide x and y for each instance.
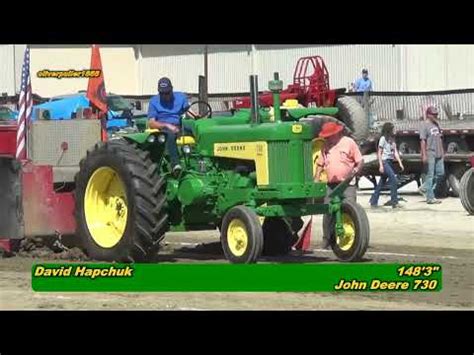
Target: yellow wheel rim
(237, 237)
(346, 242)
(105, 207)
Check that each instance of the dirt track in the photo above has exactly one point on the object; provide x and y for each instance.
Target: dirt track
(419, 233)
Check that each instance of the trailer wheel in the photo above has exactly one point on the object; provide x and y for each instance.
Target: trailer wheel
(241, 235)
(354, 116)
(120, 202)
(441, 188)
(355, 242)
(454, 184)
(466, 192)
(278, 236)
(454, 178)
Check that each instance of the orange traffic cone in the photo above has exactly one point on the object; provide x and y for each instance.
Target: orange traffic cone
(303, 242)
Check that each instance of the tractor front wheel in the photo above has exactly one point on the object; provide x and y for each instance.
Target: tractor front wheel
(120, 200)
(241, 235)
(353, 245)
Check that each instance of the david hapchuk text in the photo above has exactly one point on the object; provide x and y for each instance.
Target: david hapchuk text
(83, 271)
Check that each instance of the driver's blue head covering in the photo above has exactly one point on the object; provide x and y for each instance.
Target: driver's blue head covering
(164, 86)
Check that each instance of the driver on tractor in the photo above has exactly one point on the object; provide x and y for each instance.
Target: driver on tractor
(164, 113)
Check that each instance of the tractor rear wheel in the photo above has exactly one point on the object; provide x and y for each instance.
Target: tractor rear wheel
(279, 236)
(241, 235)
(354, 116)
(353, 245)
(120, 203)
(466, 192)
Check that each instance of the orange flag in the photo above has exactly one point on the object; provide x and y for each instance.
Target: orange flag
(96, 87)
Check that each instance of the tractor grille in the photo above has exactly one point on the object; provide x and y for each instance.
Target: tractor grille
(282, 161)
(279, 162)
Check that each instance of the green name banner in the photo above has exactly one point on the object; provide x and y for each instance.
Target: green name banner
(237, 278)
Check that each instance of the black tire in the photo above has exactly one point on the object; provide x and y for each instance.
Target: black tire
(466, 192)
(147, 220)
(455, 175)
(442, 188)
(362, 229)
(454, 184)
(456, 144)
(254, 233)
(279, 236)
(354, 116)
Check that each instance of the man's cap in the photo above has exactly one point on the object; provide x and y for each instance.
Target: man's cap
(432, 110)
(164, 86)
(330, 129)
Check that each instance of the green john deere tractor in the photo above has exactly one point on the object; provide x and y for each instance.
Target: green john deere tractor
(237, 171)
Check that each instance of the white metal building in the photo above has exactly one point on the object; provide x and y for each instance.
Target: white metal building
(392, 67)
(134, 70)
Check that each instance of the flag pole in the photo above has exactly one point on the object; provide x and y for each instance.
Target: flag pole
(25, 107)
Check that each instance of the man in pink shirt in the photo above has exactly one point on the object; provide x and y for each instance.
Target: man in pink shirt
(340, 157)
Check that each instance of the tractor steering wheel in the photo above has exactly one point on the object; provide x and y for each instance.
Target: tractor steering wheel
(198, 104)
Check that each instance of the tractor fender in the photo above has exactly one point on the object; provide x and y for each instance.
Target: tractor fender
(140, 138)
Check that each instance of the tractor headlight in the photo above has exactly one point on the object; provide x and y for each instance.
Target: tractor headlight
(186, 149)
(161, 138)
(151, 138)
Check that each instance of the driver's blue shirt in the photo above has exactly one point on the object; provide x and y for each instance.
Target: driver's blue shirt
(168, 112)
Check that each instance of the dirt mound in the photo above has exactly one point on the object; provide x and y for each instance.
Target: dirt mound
(47, 248)
(72, 254)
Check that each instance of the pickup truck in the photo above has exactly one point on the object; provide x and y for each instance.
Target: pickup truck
(121, 113)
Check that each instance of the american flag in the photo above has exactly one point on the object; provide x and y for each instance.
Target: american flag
(25, 105)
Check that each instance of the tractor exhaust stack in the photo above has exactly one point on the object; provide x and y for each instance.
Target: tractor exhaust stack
(254, 98)
(275, 86)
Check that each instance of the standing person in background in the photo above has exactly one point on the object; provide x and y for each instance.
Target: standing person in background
(387, 152)
(364, 84)
(432, 153)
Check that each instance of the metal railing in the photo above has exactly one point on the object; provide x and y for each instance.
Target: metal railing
(381, 106)
(390, 106)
